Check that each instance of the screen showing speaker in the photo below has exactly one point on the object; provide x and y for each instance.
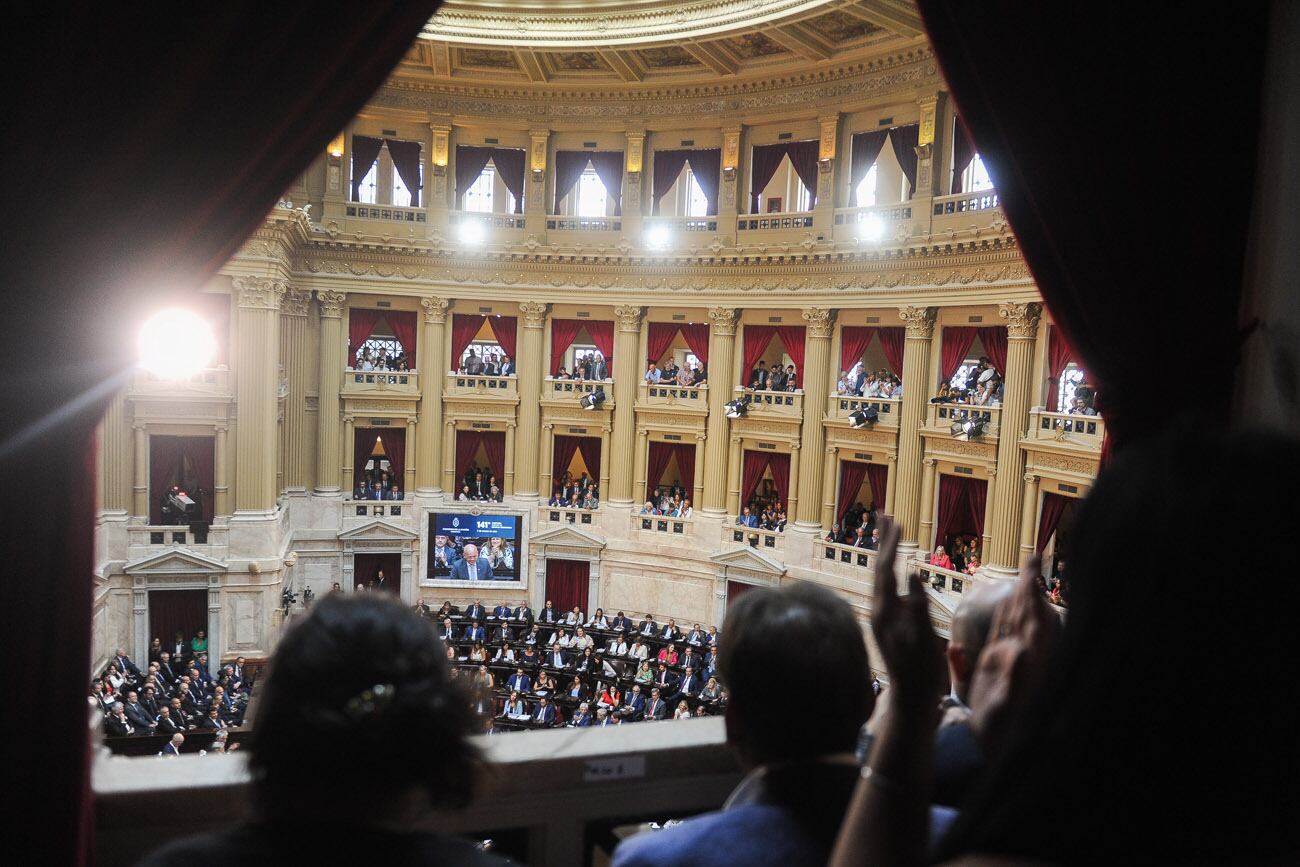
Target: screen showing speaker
(473, 547)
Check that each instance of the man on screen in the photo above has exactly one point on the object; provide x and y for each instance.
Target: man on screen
(471, 568)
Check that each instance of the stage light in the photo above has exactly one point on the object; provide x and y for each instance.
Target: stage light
(658, 237)
(873, 228)
(471, 232)
(972, 427)
(594, 400)
(738, 407)
(176, 344)
(863, 417)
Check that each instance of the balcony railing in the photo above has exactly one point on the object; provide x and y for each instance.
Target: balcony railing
(584, 224)
(962, 203)
(465, 384)
(662, 525)
(945, 581)
(1086, 430)
(213, 381)
(783, 403)
(774, 222)
(764, 540)
(374, 508)
(381, 382)
(565, 515)
(487, 220)
(171, 535)
(876, 223)
(887, 409)
(569, 387)
(945, 415)
(693, 396)
(392, 213)
(680, 224)
(861, 558)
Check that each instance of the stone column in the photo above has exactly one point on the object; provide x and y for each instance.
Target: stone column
(627, 372)
(432, 367)
(734, 456)
(1006, 494)
(640, 460)
(221, 480)
(633, 174)
(916, 390)
(605, 450)
(410, 471)
(934, 157)
(332, 361)
(816, 386)
(346, 468)
(513, 459)
(537, 203)
(437, 198)
(257, 377)
(925, 537)
(531, 367)
(544, 486)
(449, 471)
(112, 457)
(299, 363)
(827, 175)
(796, 481)
(891, 483)
(697, 486)
(722, 349)
(830, 478)
(1029, 517)
(140, 475)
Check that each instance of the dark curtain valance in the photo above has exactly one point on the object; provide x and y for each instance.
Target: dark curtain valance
(569, 166)
(509, 162)
(706, 164)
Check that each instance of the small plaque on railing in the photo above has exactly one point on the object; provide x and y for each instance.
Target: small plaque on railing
(662, 526)
(864, 560)
(678, 527)
(846, 556)
(361, 511)
(737, 536)
(956, 585)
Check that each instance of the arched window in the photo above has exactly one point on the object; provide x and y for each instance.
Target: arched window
(1070, 379)
(958, 379)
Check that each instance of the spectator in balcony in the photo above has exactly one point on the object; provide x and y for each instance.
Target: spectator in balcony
(758, 379)
(589, 501)
(685, 376)
(746, 518)
(653, 374)
(464, 495)
(776, 378)
(686, 510)
(842, 386)
(1080, 406)
(490, 365)
(940, 558)
(835, 534)
(494, 494)
(599, 369)
(944, 395)
(791, 379)
(649, 508)
(471, 364)
(702, 374)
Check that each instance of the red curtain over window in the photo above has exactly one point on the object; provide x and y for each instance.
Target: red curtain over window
(395, 447)
(961, 508)
(494, 446)
(363, 444)
(792, 337)
(361, 324)
(696, 335)
(706, 166)
(589, 448)
(659, 336)
(568, 583)
(602, 334)
(994, 338)
(365, 568)
(1059, 355)
(562, 455)
(166, 455)
(751, 473)
(609, 168)
(172, 611)
(892, 341)
(1054, 506)
(404, 329)
(563, 333)
(510, 168)
(780, 465)
(467, 445)
(661, 455)
(956, 345)
(470, 163)
(667, 168)
(757, 338)
(851, 475)
(854, 341)
(878, 477)
(569, 166)
(505, 328)
(494, 443)
(463, 328)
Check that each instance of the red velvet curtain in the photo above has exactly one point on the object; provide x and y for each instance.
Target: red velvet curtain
(792, 337)
(1059, 354)
(660, 456)
(668, 166)
(780, 465)
(1054, 506)
(963, 151)
(395, 447)
(1014, 73)
(757, 338)
(602, 334)
(892, 341)
(904, 139)
(365, 567)
(467, 444)
(878, 477)
(562, 456)
(751, 473)
(589, 448)
(463, 328)
(854, 341)
(956, 344)
(609, 168)
(961, 508)
(406, 160)
(365, 150)
(563, 332)
(660, 336)
(166, 456)
(994, 338)
(128, 233)
(686, 466)
(569, 166)
(172, 611)
(506, 329)
(863, 153)
(363, 445)
(404, 329)
(470, 163)
(201, 454)
(851, 475)
(803, 156)
(696, 336)
(763, 163)
(361, 324)
(567, 583)
(494, 443)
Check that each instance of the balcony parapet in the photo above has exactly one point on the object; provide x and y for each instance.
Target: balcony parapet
(565, 515)
(787, 404)
(1086, 431)
(386, 383)
(661, 526)
(689, 397)
(471, 385)
(765, 540)
(943, 416)
(206, 384)
(887, 409)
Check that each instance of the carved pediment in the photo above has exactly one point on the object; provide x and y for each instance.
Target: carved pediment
(175, 561)
(379, 531)
(749, 560)
(570, 537)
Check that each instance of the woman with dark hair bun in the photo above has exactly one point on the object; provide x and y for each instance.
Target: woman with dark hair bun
(360, 735)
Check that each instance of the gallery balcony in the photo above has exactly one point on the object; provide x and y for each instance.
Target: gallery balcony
(381, 383)
(964, 421)
(462, 385)
(692, 399)
(888, 410)
(1083, 431)
(783, 404)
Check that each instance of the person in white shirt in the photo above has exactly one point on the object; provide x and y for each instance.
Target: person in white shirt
(617, 646)
(685, 511)
(561, 638)
(638, 650)
(581, 640)
(573, 618)
(652, 374)
(505, 653)
(598, 620)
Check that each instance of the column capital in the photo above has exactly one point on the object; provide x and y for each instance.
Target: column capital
(1022, 319)
(929, 462)
(629, 317)
(919, 321)
(534, 313)
(435, 309)
(1031, 477)
(821, 321)
(261, 293)
(331, 303)
(723, 321)
(296, 302)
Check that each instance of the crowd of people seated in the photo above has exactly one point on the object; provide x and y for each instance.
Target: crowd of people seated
(860, 382)
(673, 373)
(377, 484)
(489, 364)
(479, 484)
(764, 511)
(589, 366)
(176, 692)
(670, 502)
(857, 529)
(775, 378)
(579, 493)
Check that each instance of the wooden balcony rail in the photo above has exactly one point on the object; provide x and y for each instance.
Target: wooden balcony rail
(764, 540)
(1087, 430)
(784, 403)
(460, 384)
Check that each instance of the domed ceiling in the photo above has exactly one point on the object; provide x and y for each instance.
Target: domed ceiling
(595, 42)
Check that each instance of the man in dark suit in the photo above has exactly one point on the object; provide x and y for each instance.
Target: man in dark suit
(507, 367)
(581, 719)
(116, 725)
(598, 369)
(501, 612)
(124, 662)
(136, 714)
(746, 519)
(519, 682)
(470, 567)
(776, 379)
(168, 672)
(656, 708)
(634, 705)
(690, 685)
(665, 680)
(670, 631)
(556, 658)
(544, 715)
(549, 614)
(475, 632)
(758, 381)
(173, 747)
(448, 631)
(648, 626)
(620, 623)
(524, 614)
(167, 725)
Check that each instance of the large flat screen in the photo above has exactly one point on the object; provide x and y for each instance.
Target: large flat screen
(496, 538)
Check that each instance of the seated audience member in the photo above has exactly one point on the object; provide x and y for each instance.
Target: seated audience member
(670, 632)
(610, 697)
(576, 689)
(605, 718)
(544, 685)
(505, 654)
(116, 724)
(712, 693)
(683, 710)
(544, 713)
(573, 617)
(788, 809)
(519, 682)
(649, 508)
(514, 706)
(351, 681)
(940, 559)
(582, 717)
(556, 658)
(645, 674)
(638, 650)
(656, 708)
(667, 654)
(598, 620)
(549, 614)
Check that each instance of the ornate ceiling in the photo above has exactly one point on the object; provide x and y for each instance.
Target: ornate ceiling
(598, 42)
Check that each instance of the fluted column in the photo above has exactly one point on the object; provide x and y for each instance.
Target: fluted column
(639, 464)
(298, 439)
(796, 477)
(512, 456)
(449, 471)
(732, 480)
(544, 485)
(221, 480)
(627, 373)
(891, 483)
(829, 480)
(697, 486)
(412, 435)
(257, 377)
(531, 368)
(605, 454)
(332, 350)
(432, 365)
(140, 473)
(916, 389)
(346, 470)
(112, 457)
(1029, 516)
(1008, 490)
(925, 537)
(816, 386)
(722, 348)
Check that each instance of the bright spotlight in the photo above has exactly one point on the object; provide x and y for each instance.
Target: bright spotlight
(873, 228)
(471, 232)
(176, 344)
(658, 237)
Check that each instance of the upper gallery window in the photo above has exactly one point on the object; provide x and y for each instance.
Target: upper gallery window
(697, 204)
(479, 196)
(866, 192)
(976, 176)
(592, 197)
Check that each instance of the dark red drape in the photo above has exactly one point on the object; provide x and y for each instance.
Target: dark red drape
(851, 475)
(757, 338)
(963, 151)
(510, 163)
(961, 508)
(803, 156)
(602, 334)
(1032, 118)
(129, 232)
(467, 443)
(569, 166)
(394, 442)
(668, 166)
(736, 589)
(589, 448)
(166, 454)
(660, 336)
(751, 473)
(169, 458)
(706, 167)
(406, 160)
(956, 344)
(994, 338)
(686, 466)
(854, 341)
(609, 168)
(892, 341)
(361, 324)
(863, 153)
(780, 466)
(395, 447)
(201, 453)
(1054, 506)
(172, 611)
(562, 455)
(764, 162)
(506, 329)
(563, 332)
(403, 323)
(661, 454)
(1059, 354)
(463, 328)
(878, 477)
(567, 583)
(792, 338)
(696, 335)
(365, 150)
(494, 443)
(471, 160)
(363, 444)
(494, 446)
(904, 140)
(365, 568)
